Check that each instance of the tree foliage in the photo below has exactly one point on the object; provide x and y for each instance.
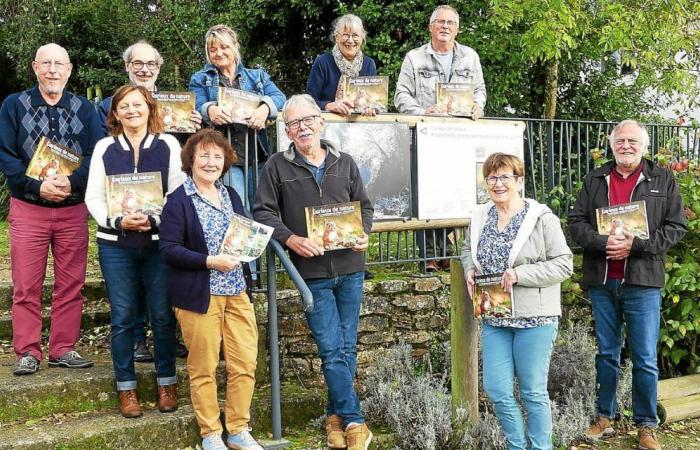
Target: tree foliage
(581, 44)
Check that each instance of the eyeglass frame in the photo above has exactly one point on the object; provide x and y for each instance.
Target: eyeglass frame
(443, 22)
(139, 65)
(59, 65)
(505, 179)
(346, 37)
(296, 123)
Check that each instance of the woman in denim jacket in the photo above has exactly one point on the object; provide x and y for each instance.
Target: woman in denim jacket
(225, 69)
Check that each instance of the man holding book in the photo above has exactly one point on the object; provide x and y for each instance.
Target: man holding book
(624, 273)
(309, 174)
(47, 213)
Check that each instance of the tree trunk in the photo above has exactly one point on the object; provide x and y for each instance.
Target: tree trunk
(551, 79)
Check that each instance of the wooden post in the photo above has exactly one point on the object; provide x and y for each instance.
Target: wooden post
(464, 335)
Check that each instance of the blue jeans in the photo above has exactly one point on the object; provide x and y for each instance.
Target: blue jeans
(334, 322)
(235, 178)
(639, 307)
(124, 269)
(525, 353)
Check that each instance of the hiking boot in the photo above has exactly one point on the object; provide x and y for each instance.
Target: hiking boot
(358, 436)
(129, 405)
(647, 439)
(167, 398)
(70, 359)
(26, 365)
(180, 350)
(335, 438)
(141, 353)
(213, 441)
(243, 441)
(601, 428)
(431, 266)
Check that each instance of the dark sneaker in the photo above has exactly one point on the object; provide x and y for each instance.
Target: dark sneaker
(70, 359)
(141, 353)
(26, 365)
(180, 350)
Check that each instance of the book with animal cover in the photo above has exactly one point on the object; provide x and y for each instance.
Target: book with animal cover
(490, 300)
(245, 239)
(335, 226)
(455, 99)
(175, 108)
(366, 92)
(239, 104)
(130, 193)
(51, 158)
(625, 216)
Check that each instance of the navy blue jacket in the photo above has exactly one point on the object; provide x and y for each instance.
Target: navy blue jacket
(184, 250)
(24, 118)
(325, 75)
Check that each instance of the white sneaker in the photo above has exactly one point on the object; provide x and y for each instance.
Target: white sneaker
(243, 441)
(213, 441)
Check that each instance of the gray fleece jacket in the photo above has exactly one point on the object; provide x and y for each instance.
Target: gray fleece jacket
(540, 256)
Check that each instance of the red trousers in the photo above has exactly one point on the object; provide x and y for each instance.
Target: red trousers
(33, 230)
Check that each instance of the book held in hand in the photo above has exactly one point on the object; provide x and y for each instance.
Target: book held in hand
(335, 226)
(240, 105)
(131, 193)
(455, 99)
(613, 220)
(175, 108)
(366, 92)
(245, 239)
(51, 158)
(490, 300)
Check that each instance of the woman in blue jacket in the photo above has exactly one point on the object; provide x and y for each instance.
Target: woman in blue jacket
(224, 68)
(346, 59)
(210, 291)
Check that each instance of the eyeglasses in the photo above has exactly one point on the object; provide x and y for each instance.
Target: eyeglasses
(138, 65)
(443, 22)
(295, 124)
(504, 179)
(355, 37)
(46, 65)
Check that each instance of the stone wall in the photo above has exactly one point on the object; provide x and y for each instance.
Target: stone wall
(412, 310)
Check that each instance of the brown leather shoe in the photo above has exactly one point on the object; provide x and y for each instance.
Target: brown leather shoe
(129, 404)
(335, 438)
(601, 428)
(358, 437)
(431, 266)
(167, 398)
(647, 439)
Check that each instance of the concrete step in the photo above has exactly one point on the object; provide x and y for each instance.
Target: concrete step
(93, 290)
(95, 313)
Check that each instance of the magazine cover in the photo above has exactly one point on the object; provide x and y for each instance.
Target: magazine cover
(489, 298)
(176, 107)
(240, 104)
(630, 216)
(455, 99)
(366, 92)
(51, 158)
(335, 226)
(245, 239)
(133, 193)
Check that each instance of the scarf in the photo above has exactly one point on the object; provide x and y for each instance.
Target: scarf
(348, 69)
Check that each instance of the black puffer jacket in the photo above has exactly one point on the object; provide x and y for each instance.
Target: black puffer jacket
(667, 225)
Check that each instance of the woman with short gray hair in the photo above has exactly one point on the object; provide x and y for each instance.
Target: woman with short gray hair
(346, 59)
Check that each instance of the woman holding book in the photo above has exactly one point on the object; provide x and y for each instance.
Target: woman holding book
(129, 173)
(346, 59)
(224, 69)
(521, 242)
(211, 290)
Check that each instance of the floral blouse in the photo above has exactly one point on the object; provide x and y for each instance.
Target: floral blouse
(492, 253)
(214, 223)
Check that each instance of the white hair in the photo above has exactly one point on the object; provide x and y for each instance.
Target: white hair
(300, 100)
(348, 22)
(126, 56)
(437, 9)
(645, 134)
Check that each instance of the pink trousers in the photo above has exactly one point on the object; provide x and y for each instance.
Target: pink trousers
(33, 230)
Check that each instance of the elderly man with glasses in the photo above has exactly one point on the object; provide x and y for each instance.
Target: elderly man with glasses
(312, 173)
(47, 214)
